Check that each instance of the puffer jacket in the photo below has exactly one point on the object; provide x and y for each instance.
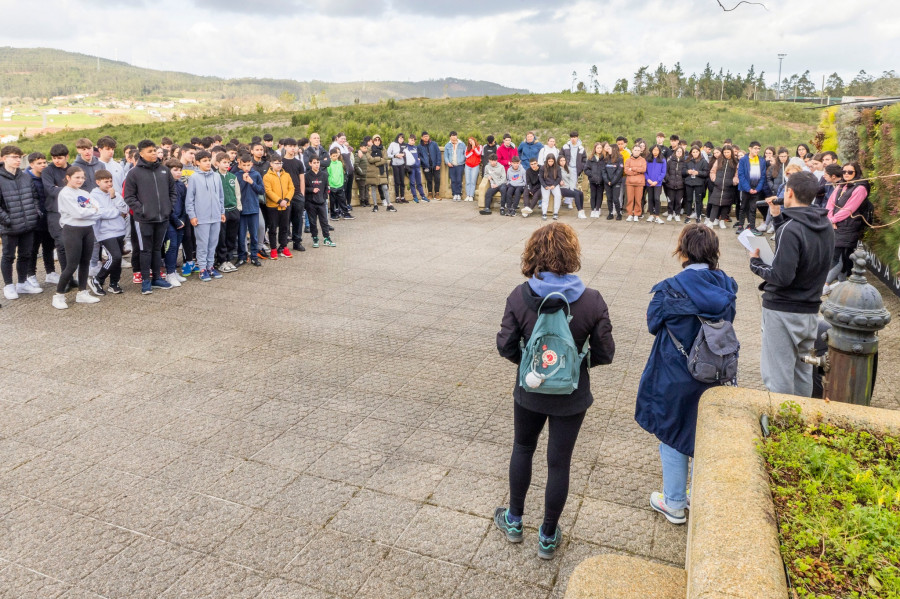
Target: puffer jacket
(150, 192)
(674, 178)
(377, 173)
(594, 168)
(361, 167)
(725, 190)
(19, 212)
(699, 165)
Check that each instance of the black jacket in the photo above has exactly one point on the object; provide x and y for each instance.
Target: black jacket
(594, 168)
(699, 165)
(590, 319)
(533, 178)
(315, 181)
(319, 152)
(849, 231)
(18, 207)
(612, 174)
(54, 179)
(40, 197)
(674, 178)
(150, 192)
(804, 243)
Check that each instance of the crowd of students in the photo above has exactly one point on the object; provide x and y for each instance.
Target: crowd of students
(222, 205)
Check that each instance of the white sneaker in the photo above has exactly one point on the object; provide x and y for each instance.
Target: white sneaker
(722, 224)
(526, 211)
(179, 277)
(59, 301)
(85, 297)
(771, 229)
(708, 223)
(658, 221)
(52, 278)
(581, 214)
(28, 289)
(649, 218)
(33, 281)
(629, 219)
(173, 280)
(669, 218)
(470, 199)
(9, 292)
(658, 503)
(715, 223)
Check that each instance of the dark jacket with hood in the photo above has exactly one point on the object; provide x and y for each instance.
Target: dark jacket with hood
(40, 195)
(430, 154)
(590, 320)
(54, 179)
(179, 218)
(668, 395)
(804, 244)
(150, 192)
(19, 211)
(90, 169)
(701, 166)
(674, 179)
(615, 168)
(594, 168)
(319, 152)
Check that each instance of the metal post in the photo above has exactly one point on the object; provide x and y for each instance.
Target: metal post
(780, 58)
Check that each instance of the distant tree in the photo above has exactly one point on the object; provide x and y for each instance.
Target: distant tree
(861, 85)
(621, 86)
(594, 79)
(286, 98)
(805, 87)
(581, 87)
(641, 80)
(574, 79)
(834, 85)
(888, 84)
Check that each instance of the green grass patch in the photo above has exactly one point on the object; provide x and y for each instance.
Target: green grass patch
(837, 497)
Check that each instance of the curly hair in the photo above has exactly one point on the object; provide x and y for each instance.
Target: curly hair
(552, 248)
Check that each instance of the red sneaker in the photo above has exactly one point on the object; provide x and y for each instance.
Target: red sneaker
(137, 278)
(287, 253)
(273, 255)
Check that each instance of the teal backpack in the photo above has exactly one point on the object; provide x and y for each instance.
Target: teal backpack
(551, 362)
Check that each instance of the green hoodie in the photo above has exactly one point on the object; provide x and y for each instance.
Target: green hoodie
(336, 174)
(232, 192)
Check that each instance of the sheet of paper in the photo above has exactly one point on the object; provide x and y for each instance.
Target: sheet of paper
(752, 242)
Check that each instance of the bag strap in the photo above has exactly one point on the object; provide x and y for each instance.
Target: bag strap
(568, 307)
(677, 343)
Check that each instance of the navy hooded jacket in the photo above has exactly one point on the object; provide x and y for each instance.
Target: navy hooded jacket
(668, 395)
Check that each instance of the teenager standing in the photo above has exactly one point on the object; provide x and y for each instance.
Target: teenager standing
(19, 216)
(674, 185)
(635, 168)
(724, 177)
(594, 168)
(612, 180)
(473, 167)
(77, 214)
(656, 172)
(455, 159)
(396, 152)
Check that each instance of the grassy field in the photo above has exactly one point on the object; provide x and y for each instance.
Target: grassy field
(596, 117)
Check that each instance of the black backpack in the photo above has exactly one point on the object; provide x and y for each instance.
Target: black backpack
(713, 358)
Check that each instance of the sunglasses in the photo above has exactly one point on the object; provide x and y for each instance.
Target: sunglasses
(850, 172)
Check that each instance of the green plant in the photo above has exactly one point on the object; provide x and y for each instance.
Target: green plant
(837, 497)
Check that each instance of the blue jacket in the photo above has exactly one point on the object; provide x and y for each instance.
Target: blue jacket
(178, 218)
(744, 174)
(527, 151)
(656, 171)
(668, 395)
(250, 191)
(430, 154)
(205, 198)
(460, 153)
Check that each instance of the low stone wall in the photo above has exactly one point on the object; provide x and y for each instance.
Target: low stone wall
(733, 547)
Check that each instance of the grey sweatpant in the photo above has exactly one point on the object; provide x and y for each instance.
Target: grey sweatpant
(786, 338)
(207, 235)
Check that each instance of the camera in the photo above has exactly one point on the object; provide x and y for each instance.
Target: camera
(777, 201)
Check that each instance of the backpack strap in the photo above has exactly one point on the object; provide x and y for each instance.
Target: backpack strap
(677, 343)
(568, 307)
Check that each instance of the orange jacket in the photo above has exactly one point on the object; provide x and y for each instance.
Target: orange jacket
(634, 171)
(278, 187)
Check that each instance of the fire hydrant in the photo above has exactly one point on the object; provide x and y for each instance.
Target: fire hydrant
(856, 313)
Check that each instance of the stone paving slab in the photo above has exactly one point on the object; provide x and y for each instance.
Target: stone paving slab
(335, 425)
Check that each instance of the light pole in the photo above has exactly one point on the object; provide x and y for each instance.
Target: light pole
(780, 58)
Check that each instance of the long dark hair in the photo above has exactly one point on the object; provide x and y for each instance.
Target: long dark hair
(546, 168)
(805, 147)
(659, 157)
(779, 165)
(848, 187)
(721, 160)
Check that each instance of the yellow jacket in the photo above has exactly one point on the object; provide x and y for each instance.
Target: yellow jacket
(278, 187)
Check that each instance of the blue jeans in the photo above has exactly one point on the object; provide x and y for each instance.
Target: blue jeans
(456, 177)
(415, 181)
(675, 476)
(174, 237)
(471, 179)
(249, 224)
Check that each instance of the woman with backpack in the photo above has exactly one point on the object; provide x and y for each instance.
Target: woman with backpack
(848, 202)
(551, 257)
(668, 393)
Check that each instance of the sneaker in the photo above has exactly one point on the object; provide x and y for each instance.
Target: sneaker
(735, 225)
(85, 297)
(610, 216)
(255, 262)
(543, 217)
(391, 208)
(114, 288)
(649, 218)
(629, 219)
(32, 280)
(547, 545)
(27, 288)
(214, 273)
(739, 230)
(262, 255)
(485, 212)
(581, 214)
(287, 253)
(273, 255)
(52, 278)
(330, 228)
(137, 278)
(658, 503)
(195, 267)
(161, 283)
(204, 276)
(172, 279)
(59, 301)
(9, 292)
(503, 212)
(306, 229)
(510, 213)
(595, 214)
(722, 224)
(126, 263)
(618, 216)
(186, 269)
(512, 530)
(329, 243)
(525, 214)
(669, 218)
(756, 231)
(348, 216)
(96, 286)
(179, 277)
(658, 220)
(526, 210)
(315, 242)
(570, 206)
(769, 230)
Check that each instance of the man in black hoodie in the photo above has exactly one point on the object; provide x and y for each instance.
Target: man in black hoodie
(792, 286)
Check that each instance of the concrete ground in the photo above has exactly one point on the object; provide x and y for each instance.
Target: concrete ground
(335, 425)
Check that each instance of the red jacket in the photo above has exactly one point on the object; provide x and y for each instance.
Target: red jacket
(473, 156)
(505, 154)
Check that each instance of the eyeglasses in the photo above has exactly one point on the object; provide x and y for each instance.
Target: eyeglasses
(850, 172)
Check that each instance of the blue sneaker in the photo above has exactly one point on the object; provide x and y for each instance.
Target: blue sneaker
(186, 269)
(204, 276)
(512, 530)
(214, 273)
(146, 288)
(162, 284)
(547, 545)
(195, 268)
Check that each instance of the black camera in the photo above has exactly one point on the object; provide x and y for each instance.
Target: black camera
(777, 201)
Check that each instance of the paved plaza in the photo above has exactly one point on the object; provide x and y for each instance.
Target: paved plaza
(334, 425)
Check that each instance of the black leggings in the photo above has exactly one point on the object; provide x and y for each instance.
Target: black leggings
(614, 198)
(675, 198)
(694, 200)
(79, 242)
(563, 434)
(718, 212)
(112, 268)
(596, 196)
(653, 194)
(573, 193)
(399, 173)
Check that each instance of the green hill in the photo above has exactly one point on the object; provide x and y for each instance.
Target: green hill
(596, 117)
(46, 72)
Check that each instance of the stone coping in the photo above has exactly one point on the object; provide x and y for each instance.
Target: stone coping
(733, 548)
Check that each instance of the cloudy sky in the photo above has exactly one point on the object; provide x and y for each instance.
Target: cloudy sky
(535, 44)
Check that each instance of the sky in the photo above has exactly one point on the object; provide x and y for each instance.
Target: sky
(532, 44)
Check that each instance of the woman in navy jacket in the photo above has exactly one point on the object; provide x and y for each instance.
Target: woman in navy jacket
(668, 395)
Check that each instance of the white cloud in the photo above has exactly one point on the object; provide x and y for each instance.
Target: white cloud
(532, 44)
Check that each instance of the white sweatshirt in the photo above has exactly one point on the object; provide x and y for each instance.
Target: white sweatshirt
(77, 208)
